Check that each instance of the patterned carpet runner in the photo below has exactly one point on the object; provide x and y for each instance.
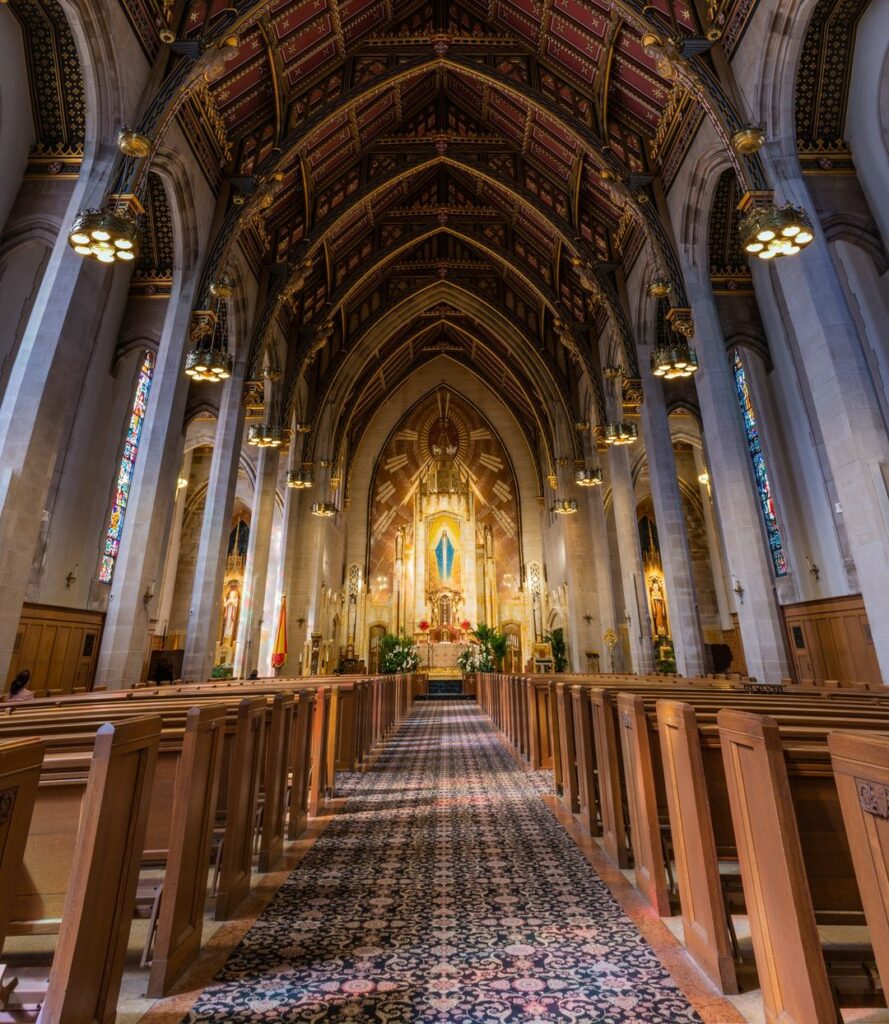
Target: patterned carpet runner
(445, 891)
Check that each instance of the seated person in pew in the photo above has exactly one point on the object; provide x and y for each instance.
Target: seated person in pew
(18, 688)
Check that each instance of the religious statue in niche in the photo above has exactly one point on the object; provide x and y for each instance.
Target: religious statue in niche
(654, 574)
(658, 606)
(444, 556)
(230, 608)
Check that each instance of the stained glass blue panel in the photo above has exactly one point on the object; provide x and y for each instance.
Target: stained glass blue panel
(111, 547)
(754, 446)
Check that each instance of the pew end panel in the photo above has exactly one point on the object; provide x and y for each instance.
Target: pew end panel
(642, 803)
(242, 793)
(783, 928)
(861, 770)
(85, 978)
(704, 915)
(184, 894)
(20, 764)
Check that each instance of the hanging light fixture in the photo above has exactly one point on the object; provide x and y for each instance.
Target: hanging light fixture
(768, 231)
(620, 433)
(564, 506)
(672, 361)
(301, 479)
(264, 435)
(107, 235)
(209, 359)
(222, 287)
(588, 476)
(110, 234)
(324, 509)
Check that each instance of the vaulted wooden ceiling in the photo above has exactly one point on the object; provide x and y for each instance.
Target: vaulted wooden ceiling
(403, 142)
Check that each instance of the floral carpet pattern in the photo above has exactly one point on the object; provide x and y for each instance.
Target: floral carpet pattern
(444, 891)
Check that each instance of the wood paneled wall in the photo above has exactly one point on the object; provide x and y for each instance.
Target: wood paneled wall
(831, 640)
(59, 646)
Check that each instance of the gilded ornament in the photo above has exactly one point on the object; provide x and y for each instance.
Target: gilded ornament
(748, 140)
(133, 143)
(660, 288)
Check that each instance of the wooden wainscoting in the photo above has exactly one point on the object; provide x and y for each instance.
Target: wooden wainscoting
(831, 639)
(59, 646)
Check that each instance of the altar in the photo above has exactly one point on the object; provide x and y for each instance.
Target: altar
(441, 655)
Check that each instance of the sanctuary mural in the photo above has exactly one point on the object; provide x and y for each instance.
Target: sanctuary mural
(445, 548)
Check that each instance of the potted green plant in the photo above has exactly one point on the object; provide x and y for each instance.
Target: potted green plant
(559, 647)
(398, 653)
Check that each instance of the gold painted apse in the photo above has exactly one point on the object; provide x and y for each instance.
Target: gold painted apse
(439, 424)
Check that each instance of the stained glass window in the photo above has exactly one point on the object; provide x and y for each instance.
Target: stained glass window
(125, 471)
(754, 445)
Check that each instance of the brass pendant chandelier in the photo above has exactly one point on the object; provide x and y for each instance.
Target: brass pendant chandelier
(264, 435)
(768, 231)
(588, 476)
(300, 479)
(620, 433)
(564, 506)
(110, 234)
(674, 361)
(107, 235)
(209, 360)
(324, 509)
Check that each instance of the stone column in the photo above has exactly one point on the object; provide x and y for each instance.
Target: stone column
(149, 510)
(295, 542)
(682, 601)
(761, 622)
(41, 397)
(171, 561)
(258, 548)
(630, 552)
(604, 582)
(206, 608)
(818, 318)
(714, 545)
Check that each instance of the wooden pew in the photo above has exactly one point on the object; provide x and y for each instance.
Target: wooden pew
(81, 867)
(795, 865)
(181, 906)
(20, 763)
(241, 781)
(648, 803)
(300, 766)
(705, 919)
(277, 756)
(861, 771)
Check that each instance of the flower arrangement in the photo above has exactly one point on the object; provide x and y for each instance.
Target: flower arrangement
(465, 625)
(424, 625)
(486, 652)
(398, 654)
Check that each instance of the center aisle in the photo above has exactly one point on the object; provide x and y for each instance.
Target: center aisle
(444, 891)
